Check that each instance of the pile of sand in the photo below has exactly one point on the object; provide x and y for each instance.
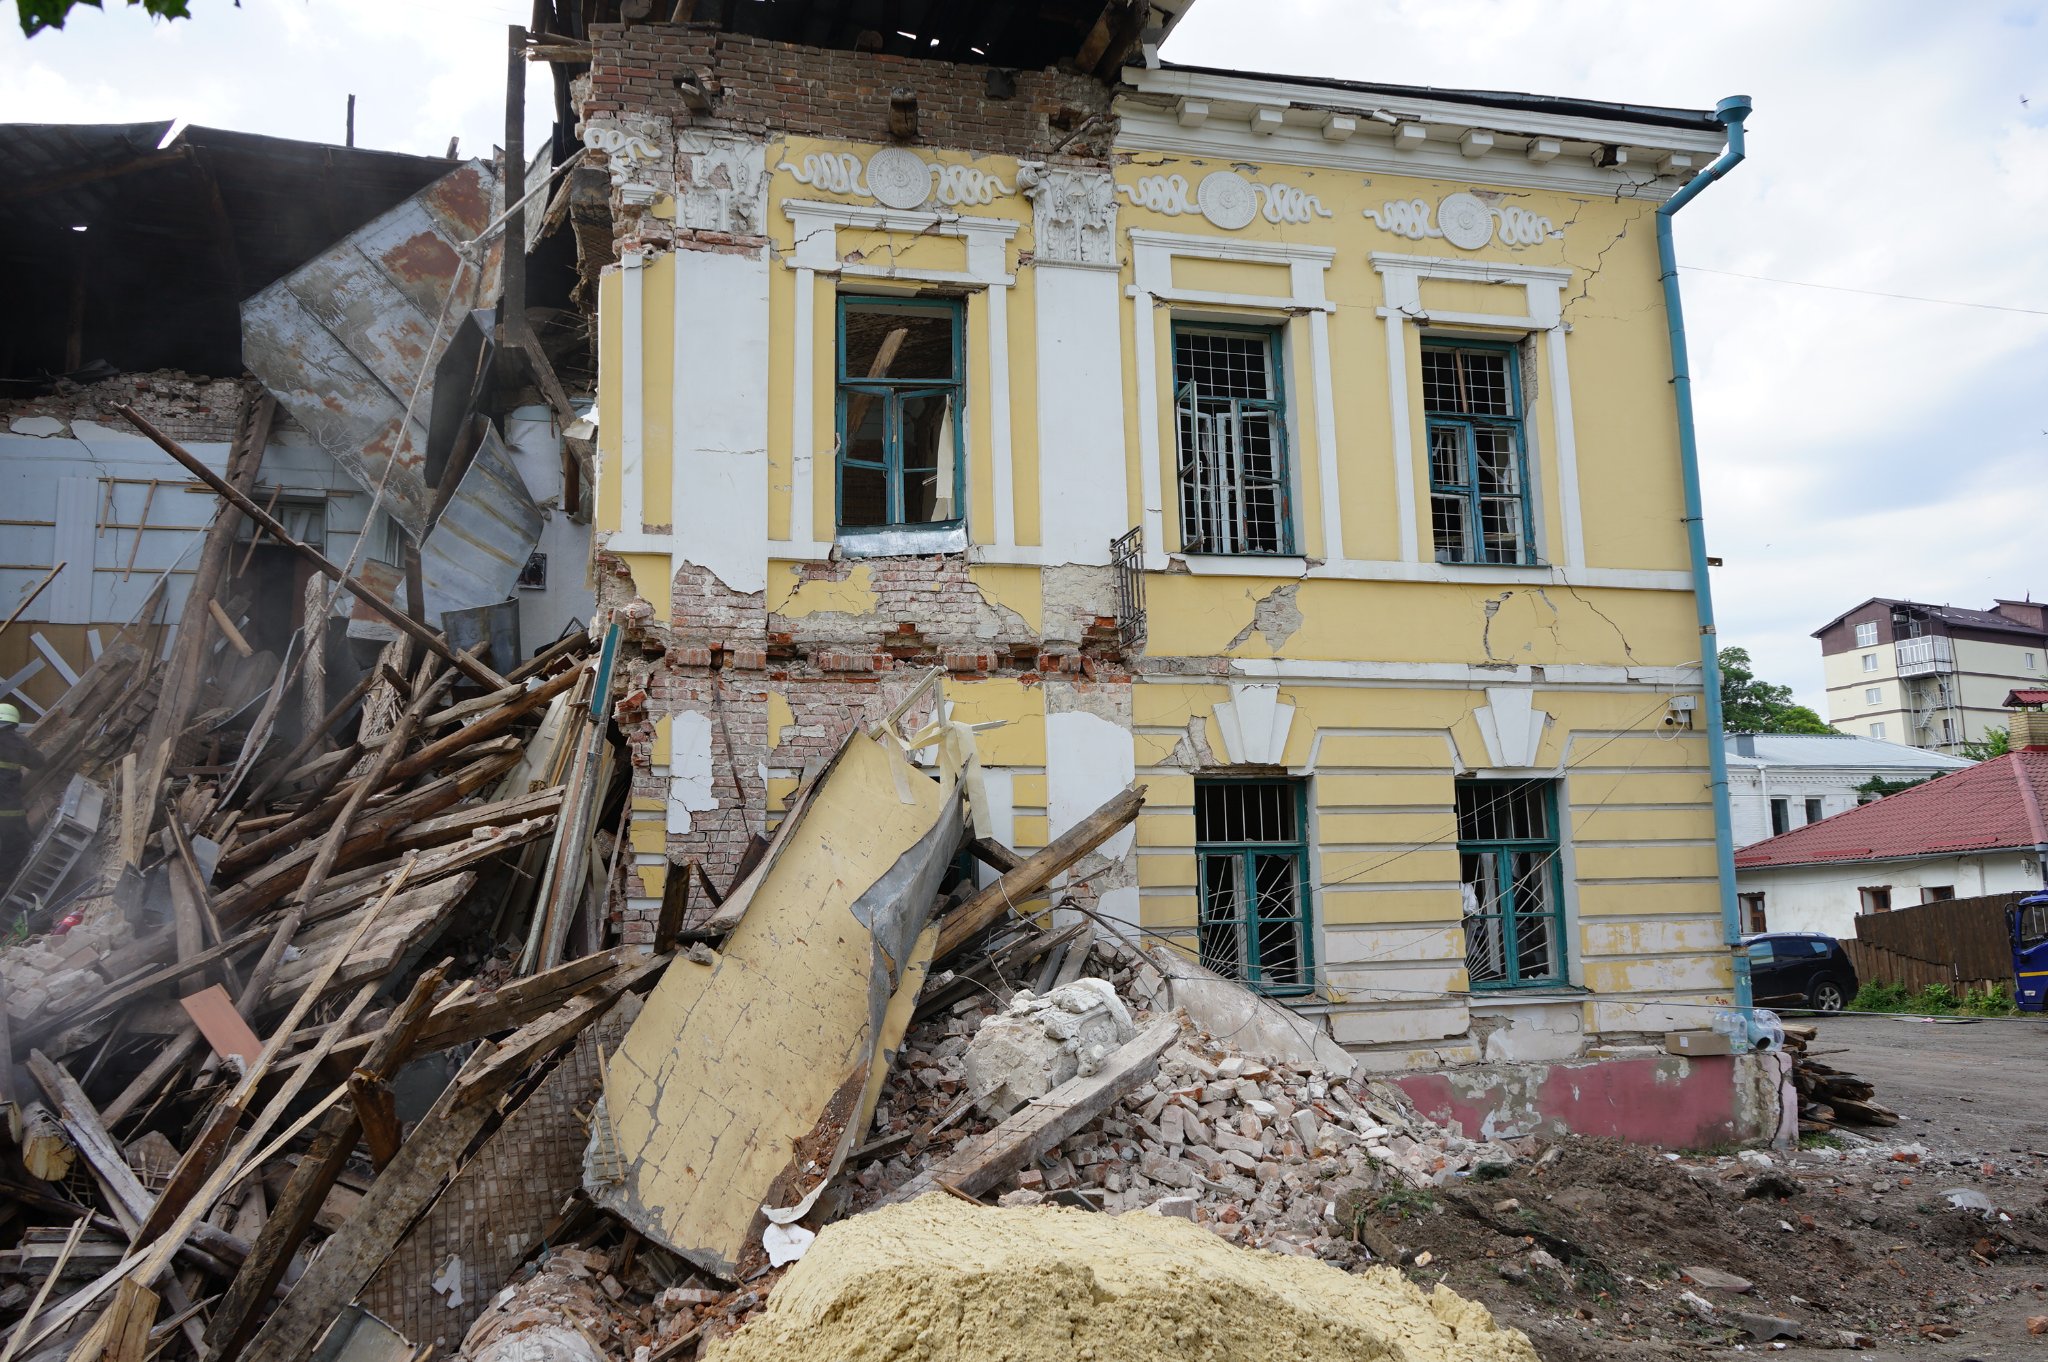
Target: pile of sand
(940, 1280)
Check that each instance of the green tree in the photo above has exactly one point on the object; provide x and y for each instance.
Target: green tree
(1996, 742)
(1877, 787)
(1749, 705)
(37, 15)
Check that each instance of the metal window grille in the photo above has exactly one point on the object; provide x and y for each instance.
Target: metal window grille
(901, 446)
(1127, 555)
(1233, 442)
(1508, 864)
(1478, 475)
(1251, 853)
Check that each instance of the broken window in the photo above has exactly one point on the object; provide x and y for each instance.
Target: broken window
(901, 454)
(1478, 476)
(1508, 865)
(1251, 853)
(1228, 397)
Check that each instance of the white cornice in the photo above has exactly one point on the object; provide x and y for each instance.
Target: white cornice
(1527, 149)
(1249, 90)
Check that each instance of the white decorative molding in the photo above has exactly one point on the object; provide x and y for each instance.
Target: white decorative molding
(1542, 313)
(720, 183)
(1073, 213)
(1227, 199)
(1254, 724)
(1415, 133)
(817, 254)
(1511, 727)
(634, 148)
(897, 177)
(1464, 220)
(1152, 256)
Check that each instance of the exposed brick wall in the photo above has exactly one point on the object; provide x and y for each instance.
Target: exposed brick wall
(187, 407)
(770, 87)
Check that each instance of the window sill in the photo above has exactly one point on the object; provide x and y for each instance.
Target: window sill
(901, 543)
(1518, 995)
(1470, 563)
(1244, 564)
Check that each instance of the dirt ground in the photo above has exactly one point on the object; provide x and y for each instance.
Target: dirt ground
(1588, 1248)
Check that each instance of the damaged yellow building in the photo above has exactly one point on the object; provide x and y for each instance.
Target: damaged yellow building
(1303, 450)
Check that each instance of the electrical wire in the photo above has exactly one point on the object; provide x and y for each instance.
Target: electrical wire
(1869, 292)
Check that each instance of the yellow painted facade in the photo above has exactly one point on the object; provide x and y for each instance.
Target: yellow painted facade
(1357, 667)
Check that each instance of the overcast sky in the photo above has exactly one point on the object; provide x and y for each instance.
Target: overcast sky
(1853, 446)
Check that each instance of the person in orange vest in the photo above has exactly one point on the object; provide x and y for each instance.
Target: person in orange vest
(17, 758)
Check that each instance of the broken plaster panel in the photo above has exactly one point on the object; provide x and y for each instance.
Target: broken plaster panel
(780, 717)
(651, 581)
(739, 1073)
(793, 594)
(1016, 710)
(691, 778)
(1275, 619)
(720, 479)
(1088, 759)
(1075, 596)
(1010, 589)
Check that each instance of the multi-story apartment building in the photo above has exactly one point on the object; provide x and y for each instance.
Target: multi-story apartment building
(1304, 450)
(1933, 676)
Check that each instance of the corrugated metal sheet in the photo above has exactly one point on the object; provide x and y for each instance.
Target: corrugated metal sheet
(484, 536)
(344, 339)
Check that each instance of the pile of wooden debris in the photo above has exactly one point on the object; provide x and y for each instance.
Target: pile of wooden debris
(1827, 1096)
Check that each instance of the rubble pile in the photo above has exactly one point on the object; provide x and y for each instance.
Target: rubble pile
(1261, 1151)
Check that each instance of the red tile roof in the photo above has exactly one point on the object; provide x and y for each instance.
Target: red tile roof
(2026, 697)
(1993, 805)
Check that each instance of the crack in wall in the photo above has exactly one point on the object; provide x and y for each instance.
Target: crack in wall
(1275, 617)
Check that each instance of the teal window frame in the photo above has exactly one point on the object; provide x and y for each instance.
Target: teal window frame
(1228, 412)
(1468, 488)
(1240, 861)
(1511, 914)
(892, 394)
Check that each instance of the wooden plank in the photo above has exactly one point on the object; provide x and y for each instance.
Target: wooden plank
(501, 1204)
(122, 1333)
(125, 1193)
(234, 1320)
(198, 1164)
(1020, 885)
(981, 1163)
(213, 1012)
(35, 1306)
(353, 1253)
(391, 614)
(228, 630)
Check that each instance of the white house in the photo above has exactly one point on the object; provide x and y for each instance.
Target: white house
(1781, 781)
(1977, 831)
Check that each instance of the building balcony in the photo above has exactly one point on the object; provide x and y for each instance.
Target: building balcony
(1924, 656)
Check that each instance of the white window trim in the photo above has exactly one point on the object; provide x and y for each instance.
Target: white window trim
(817, 255)
(1870, 662)
(1866, 634)
(1543, 289)
(1152, 257)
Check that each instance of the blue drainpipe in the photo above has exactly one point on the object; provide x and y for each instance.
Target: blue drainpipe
(1731, 112)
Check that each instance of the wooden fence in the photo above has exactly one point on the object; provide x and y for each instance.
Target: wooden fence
(1959, 942)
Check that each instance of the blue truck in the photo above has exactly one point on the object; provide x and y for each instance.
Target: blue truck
(2027, 921)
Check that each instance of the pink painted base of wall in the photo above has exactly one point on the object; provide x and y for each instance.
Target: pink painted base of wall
(1664, 1100)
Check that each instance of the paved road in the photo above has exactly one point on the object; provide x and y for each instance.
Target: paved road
(1977, 1087)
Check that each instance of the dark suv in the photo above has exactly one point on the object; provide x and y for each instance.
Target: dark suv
(1800, 969)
